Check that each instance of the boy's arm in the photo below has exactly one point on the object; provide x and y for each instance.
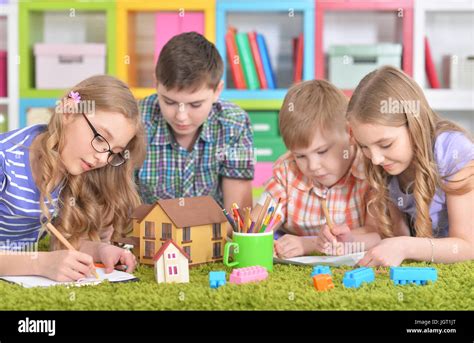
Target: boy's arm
(238, 191)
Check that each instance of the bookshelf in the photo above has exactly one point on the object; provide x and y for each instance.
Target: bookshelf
(140, 29)
(441, 21)
(9, 43)
(363, 22)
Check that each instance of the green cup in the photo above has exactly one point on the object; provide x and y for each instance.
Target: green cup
(250, 249)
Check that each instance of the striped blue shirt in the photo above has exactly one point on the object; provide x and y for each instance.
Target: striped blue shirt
(20, 210)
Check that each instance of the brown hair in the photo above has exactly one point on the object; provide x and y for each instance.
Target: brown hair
(102, 197)
(424, 125)
(307, 106)
(189, 61)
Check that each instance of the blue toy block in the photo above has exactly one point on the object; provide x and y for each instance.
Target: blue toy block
(355, 278)
(216, 279)
(417, 276)
(321, 270)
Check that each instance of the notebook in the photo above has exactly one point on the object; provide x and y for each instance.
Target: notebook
(333, 261)
(39, 281)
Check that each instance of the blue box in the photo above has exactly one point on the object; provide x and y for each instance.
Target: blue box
(216, 279)
(355, 278)
(415, 275)
(321, 270)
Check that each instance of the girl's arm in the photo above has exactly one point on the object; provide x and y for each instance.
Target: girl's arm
(459, 246)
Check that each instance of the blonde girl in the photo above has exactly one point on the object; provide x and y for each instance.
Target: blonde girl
(420, 168)
(76, 172)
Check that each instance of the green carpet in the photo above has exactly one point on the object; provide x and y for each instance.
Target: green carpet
(287, 288)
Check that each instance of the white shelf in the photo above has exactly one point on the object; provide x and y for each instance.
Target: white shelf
(433, 18)
(10, 11)
(450, 99)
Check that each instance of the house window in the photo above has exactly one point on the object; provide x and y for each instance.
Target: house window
(187, 250)
(186, 234)
(149, 249)
(166, 231)
(216, 250)
(172, 270)
(150, 230)
(171, 256)
(216, 231)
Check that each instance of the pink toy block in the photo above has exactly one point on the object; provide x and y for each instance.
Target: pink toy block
(248, 274)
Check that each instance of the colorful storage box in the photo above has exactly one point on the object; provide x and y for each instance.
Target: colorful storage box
(61, 66)
(3, 74)
(348, 64)
(264, 124)
(269, 149)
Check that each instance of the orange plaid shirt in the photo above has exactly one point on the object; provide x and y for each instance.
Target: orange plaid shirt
(301, 210)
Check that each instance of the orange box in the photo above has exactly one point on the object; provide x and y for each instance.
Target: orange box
(323, 282)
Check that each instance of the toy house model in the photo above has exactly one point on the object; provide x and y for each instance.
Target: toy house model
(196, 225)
(171, 263)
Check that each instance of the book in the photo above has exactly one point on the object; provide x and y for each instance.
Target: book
(246, 60)
(298, 58)
(267, 66)
(257, 58)
(40, 281)
(430, 66)
(328, 260)
(236, 68)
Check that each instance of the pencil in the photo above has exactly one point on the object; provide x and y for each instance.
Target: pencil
(263, 211)
(246, 220)
(68, 245)
(326, 214)
(230, 220)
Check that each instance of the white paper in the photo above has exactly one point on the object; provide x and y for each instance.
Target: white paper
(329, 260)
(39, 281)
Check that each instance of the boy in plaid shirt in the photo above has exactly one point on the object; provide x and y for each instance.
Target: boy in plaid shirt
(322, 163)
(198, 144)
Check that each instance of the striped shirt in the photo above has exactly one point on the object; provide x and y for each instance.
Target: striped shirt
(19, 197)
(224, 148)
(301, 211)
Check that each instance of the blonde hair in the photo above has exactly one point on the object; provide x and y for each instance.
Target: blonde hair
(307, 106)
(102, 197)
(423, 125)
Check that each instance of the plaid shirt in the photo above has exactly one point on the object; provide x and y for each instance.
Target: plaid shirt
(224, 148)
(302, 213)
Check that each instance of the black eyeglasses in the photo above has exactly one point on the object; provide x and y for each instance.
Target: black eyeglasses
(101, 145)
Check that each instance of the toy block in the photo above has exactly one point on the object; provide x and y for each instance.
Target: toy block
(217, 279)
(355, 278)
(248, 274)
(321, 270)
(417, 276)
(323, 282)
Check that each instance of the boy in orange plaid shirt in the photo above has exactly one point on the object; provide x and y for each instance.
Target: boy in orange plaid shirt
(322, 163)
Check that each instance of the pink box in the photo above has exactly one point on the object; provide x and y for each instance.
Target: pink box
(61, 66)
(3, 73)
(248, 274)
(170, 24)
(263, 171)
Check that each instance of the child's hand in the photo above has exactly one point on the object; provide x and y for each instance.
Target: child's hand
(389, 252)
(65, 265)
(110, 255)
(290, 246)
(331, 242)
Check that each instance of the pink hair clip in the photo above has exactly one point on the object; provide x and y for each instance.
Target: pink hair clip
(75, 96)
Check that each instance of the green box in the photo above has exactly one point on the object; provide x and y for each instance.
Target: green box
(269, 149)
(264, 124)
(348, 64)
